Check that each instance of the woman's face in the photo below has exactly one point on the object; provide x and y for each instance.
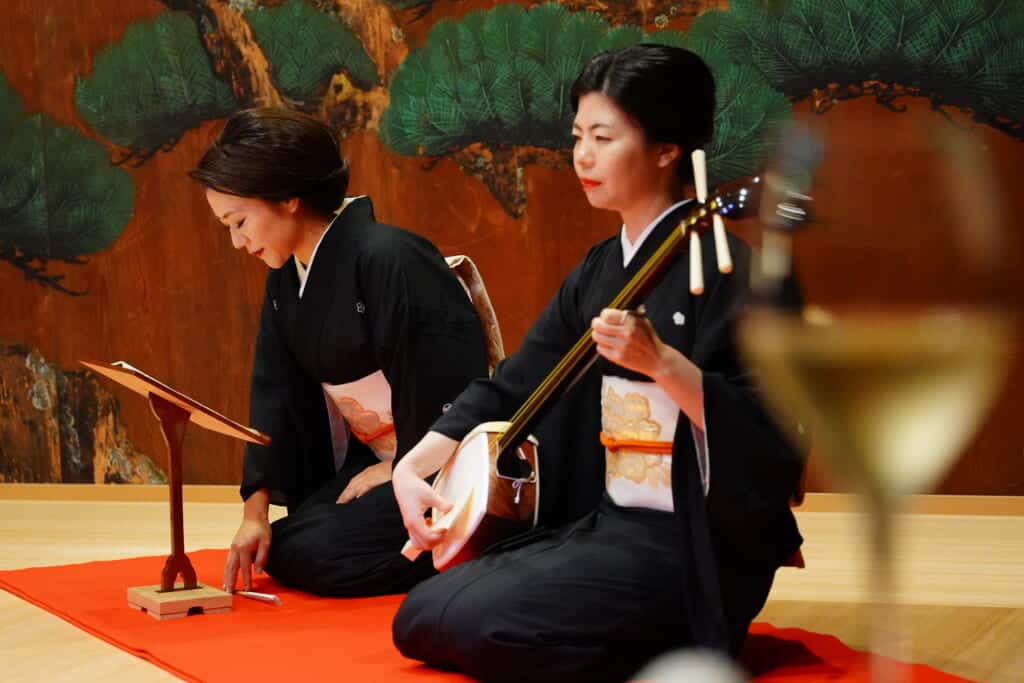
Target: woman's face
(267, 230)
(616, 165)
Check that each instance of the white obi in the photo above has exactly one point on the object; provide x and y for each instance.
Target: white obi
(638, 423)
(362, 409)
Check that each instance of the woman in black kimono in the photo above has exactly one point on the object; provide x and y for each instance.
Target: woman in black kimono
(364, 338)
(682, 482)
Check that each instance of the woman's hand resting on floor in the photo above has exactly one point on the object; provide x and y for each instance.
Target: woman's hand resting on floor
(251, 544)
(372, 476)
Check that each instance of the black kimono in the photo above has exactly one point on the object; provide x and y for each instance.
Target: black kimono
(377, 298)
(593, 598)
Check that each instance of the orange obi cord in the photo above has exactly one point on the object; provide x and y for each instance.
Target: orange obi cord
(383, 430)
(655, 447)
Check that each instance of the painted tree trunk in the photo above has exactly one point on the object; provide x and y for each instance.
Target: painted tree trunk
(63, 426)
(238, 55)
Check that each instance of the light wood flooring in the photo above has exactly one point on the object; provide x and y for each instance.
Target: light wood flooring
(960, 578)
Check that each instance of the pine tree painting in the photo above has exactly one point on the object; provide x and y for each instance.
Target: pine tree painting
(148, 89)
(306, 47)
(964, 54)
(60, 197)
(205, 59)
(492, 90)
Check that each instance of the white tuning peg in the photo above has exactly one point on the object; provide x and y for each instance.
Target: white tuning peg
(696, 265)
(700, 181)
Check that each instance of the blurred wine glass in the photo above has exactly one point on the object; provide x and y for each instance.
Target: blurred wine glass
(894, 380)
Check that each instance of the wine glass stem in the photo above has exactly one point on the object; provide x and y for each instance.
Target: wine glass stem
(884, 634)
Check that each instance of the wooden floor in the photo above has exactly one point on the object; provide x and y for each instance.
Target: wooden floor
(961, 582)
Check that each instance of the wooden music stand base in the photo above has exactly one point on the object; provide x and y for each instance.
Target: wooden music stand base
(180, 602)
(171, 598)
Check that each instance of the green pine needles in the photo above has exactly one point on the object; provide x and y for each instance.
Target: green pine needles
(502, 77)
(156, 83)
(497, 76)
(748, 112)
(306, 47)
(963, 53)
(60, 197)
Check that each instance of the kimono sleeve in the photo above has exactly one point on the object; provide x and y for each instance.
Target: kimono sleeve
(288, 406)
(754, 466)
(425, 333)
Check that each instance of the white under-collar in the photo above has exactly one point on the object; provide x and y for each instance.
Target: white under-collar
(303, 271)
(629, 250)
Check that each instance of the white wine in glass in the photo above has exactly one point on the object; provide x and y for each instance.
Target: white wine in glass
(893, 398)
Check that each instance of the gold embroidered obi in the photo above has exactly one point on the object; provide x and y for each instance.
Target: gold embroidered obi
(638, 423)
(364, 407)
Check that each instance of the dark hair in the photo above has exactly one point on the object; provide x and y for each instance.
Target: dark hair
(668, 91)
(276, 154)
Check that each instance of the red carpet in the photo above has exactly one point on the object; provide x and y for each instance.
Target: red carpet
(317, 639)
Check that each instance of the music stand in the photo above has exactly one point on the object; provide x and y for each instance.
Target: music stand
(174, 411)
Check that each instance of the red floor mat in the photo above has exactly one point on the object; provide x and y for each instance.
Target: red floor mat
(318, 639)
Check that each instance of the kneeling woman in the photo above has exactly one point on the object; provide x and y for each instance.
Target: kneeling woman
(364, 332)
(690, 514)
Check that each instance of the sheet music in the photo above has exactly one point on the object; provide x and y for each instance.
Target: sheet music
(126, 374)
